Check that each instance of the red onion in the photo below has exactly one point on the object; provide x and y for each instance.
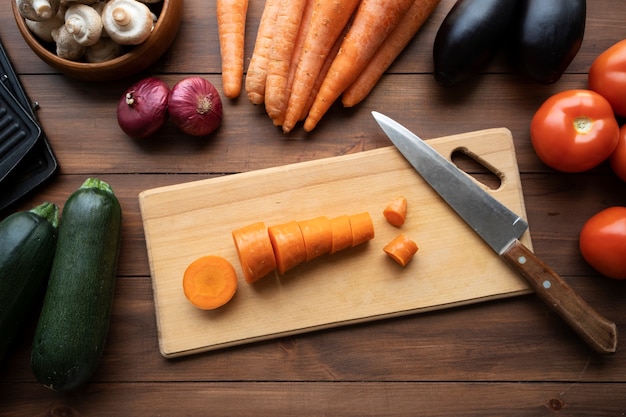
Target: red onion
(142, 110)
(195, 106)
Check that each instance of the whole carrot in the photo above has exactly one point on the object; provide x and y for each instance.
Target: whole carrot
(323, 71)
(395, 43)
(373, 21)
(328, 20)
(286, 32)
(257, 69)
(231, 25)
(295, 57)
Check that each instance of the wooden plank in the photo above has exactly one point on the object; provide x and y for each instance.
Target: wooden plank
(348, 399)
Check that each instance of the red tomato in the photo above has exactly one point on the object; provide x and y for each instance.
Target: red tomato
(574, 130)
(607, 76)
(603, 242)
(618, 158)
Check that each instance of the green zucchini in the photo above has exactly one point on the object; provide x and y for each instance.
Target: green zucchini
(27, 244)
(73, 325)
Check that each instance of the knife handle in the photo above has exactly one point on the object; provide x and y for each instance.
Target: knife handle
(599, 333)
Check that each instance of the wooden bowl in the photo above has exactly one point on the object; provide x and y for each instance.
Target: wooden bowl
(132, 62)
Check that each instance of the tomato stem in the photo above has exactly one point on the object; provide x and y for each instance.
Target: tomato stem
(583, 124)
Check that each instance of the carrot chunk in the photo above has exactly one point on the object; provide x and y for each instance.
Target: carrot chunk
(317, 236)
(395, 212)
(255, 251)
(362, 228)
(288, 245)
(209, 282)
(401, 249)
(341, 233)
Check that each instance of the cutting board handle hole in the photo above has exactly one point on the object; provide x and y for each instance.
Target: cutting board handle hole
(472, 165)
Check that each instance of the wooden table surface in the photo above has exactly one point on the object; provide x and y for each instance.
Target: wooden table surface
(511, 357)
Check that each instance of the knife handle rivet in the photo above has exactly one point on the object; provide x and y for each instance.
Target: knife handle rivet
(547, 284)
(521, 260)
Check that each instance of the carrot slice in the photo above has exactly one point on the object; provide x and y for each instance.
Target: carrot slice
(255, 251)
(362, 228)
(209, 282)
(395, 212)
(317, 236)
(341, 233)
(401, 249)
(288, 245)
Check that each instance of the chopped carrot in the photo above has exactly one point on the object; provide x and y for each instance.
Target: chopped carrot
(362, 228)
(288, 245)
(341, 233)
(231, 25)
(395, 43)
(255, 251)
(317, 236)
(209, 282)
(401, 249)
(328, 20)
(257, 69)
(395, 212)
(285, 34)
(373, 21)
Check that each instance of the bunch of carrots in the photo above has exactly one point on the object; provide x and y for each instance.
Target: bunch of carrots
(308, 53)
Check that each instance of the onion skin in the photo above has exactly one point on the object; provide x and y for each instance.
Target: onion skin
(142, 109)
(195, 106)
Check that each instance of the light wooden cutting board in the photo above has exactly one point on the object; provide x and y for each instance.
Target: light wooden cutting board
(453, 266)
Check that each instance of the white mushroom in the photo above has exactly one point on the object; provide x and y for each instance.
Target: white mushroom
(66, 45)
(43, 28)
(84, 23)
(127, 22)
(103, 50)
(38, 9)
(70, 2)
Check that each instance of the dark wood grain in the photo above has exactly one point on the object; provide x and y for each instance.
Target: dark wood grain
(511, 357)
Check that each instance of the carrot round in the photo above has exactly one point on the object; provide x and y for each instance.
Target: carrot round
(285, 34)
(395, 43)
(362, 228)
(401, 249)
(257, 69)
(231, 25)
(288, 245)
(373, 21)
(328, 20)
(255, 251)
(317, 236)
(396, 210)
(341, 233)
(209, 282)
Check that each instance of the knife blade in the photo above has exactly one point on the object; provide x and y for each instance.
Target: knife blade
(501, 229)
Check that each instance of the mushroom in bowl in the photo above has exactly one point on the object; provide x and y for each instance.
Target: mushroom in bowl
(99, 40)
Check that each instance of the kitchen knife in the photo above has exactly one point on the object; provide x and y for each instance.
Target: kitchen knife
(501, 229)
